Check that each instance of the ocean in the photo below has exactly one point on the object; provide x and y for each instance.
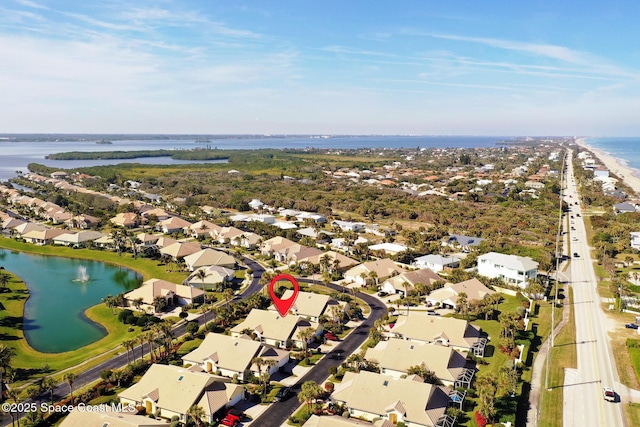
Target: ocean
(16, 155)
(627, 150)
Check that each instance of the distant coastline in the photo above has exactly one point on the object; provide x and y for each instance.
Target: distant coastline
(616, 165)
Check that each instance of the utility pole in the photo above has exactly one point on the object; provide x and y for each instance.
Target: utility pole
(555, 298)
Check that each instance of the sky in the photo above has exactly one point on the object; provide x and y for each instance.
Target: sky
(408, 67)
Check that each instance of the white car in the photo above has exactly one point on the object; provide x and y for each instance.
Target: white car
(608, 394)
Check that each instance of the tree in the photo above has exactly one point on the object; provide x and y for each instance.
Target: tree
(197, 414)
(373, 276)
(6, 355)
(487, 388)
(421, 370)
(192, 328)
(110, 302)
(128, 344)
(69, 378)
(137, 303)
(228, 296)
(13, 394)
(160, 303)
(4, 280)
(201, 274)
(463, 303)
(48, 384)
(305, 335)
(309, 392)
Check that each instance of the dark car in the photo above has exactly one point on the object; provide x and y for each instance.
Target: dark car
(282, 394)
(382, 294)
(631, 326)
(575, 255)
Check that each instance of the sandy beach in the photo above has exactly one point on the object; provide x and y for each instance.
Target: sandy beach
(615, 166)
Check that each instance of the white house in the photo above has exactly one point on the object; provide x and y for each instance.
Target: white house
(513, 269)
(635, 240)
(349, 225)
(436, 262)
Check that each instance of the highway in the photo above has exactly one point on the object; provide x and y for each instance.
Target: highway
(583, 403)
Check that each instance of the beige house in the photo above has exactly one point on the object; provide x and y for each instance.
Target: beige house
(383, 269)
(310, 305)
(214, 275)
(77, 240)
(339, 421)
(207, 257)
(446, 331)
(229, 356)
(27, 227)
(107, 417)
(229, 235)
(176, 295)
(278, 247)
(448, 296)
(343, 262)
(126, 220)
(43, 237)
(372, 396)
(270, 328)
(171, 390)
(202, 228)
(172, 225)
(396, 356)
(396, 284)
(180, 250)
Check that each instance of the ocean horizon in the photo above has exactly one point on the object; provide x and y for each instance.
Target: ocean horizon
(625, 149)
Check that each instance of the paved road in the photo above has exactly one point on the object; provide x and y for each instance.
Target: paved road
(583, 401)
(93, 374)
(278, 413)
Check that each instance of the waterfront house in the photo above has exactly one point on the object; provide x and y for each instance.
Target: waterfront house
(175, 295)
(207, 257)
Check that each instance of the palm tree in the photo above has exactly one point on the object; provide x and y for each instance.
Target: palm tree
(305, 335)
(6, 354)
(309, 392)
(140, 340)
(69, 378)
(4, 280)
(201, 274)
(48, 384)
(228, 296)
(128, 344)
(197, 414)
(325, 262)
(463, 303)
(374, 276)
(13, 394)
(110, 302)
(137, 303)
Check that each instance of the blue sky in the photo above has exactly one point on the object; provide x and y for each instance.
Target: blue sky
(328, 67)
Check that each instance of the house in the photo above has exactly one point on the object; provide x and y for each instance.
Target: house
(11, 223)
(404, 282)
(381, 269)
(311, 217)
(624, 207)
(207, 257)
(255, 204)
(176, 295)
(394, 357)
(462, 243)
(173, 225)
(126, 220)
(513, 269)
(77, 240)
(389, 248)
(448, 296)
(371, 396)
(635, 240)
(158, 213)
(83, 221)
(233, 357)
(146, 239)
(167, 391)
(287, 251)
(349, 225)
(247, 240)
(446, 331)
(229, 234)
(43, 237)
(180, 250)
(335, 259)
(214, 275)
(202, 228)
(27, 227)
(275, 330)
(106, 416)
(437, 262)
(310, 305)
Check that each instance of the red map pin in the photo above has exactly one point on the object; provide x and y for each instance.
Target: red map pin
(283, 305)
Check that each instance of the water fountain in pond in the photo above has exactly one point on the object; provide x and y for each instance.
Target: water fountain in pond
(83, 277)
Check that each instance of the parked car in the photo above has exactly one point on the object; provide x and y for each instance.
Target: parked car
(608, 394)
(230, 420)
(382, 294)
(331, 336)
(631, 326)
(282, 394)
(575, 255)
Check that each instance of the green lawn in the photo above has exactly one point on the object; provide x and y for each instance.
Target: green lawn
(563, 355)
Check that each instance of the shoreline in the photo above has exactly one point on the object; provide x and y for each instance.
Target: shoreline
(615, 165)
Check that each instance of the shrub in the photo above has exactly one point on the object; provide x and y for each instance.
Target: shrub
(480, 419)
(329, 386)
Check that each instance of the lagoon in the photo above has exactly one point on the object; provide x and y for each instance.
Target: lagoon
(54, 320)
